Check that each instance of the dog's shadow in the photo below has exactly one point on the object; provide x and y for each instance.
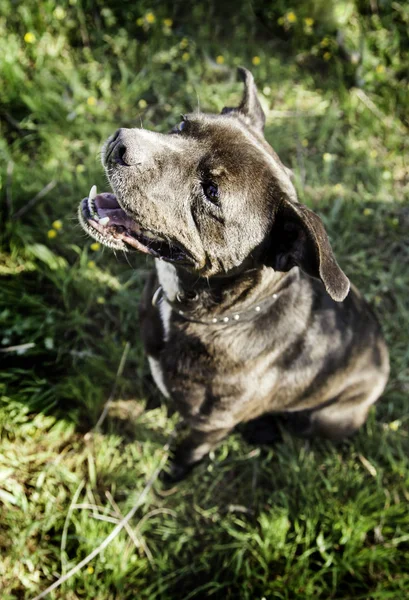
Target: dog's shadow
(235, 477)
(258, 465)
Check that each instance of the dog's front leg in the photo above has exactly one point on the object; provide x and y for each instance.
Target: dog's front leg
(191, 451)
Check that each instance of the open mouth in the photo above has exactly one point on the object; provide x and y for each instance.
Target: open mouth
(104, 219)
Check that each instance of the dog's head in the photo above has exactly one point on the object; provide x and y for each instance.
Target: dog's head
(211, 196)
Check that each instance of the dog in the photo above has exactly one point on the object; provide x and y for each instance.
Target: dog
(247, 313)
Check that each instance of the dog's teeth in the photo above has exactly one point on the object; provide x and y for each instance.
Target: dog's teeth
(91, 206)
(104, 220)
(92, 192)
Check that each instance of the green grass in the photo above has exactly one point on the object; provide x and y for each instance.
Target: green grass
(300, 520)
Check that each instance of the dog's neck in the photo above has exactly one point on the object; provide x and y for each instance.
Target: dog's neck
(221, 294)
(168, 279)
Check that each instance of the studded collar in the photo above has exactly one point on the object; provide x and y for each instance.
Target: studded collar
(181, 309)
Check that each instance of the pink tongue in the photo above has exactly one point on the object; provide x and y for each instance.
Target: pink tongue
(107, 206)
(105, 200)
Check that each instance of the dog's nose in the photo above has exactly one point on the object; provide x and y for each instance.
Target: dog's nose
(119, 154)
(118, 151)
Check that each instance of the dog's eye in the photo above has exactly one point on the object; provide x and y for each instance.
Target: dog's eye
(179, 128)
(211, 191)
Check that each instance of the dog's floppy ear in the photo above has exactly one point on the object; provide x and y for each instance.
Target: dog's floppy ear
(250, 106)
(298, 238)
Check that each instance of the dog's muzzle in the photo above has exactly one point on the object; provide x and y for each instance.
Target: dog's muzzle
(104, 219)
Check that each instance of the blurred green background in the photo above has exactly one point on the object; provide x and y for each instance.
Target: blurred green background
(300, 520)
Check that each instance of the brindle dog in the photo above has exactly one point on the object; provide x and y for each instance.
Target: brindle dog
(248, 312)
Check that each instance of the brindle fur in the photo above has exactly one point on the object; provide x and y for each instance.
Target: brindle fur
(316, 351)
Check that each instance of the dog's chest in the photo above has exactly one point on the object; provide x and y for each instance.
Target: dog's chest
(217, 373)
(199, 381)
(211, 382)
(202, 386)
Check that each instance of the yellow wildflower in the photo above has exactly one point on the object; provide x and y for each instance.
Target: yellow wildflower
(139, 22)
(324, 42)
(51, 234)
(59, 13)
(91, 101)
(57, 225)
(91, 264)
(291, 17)
(184, 43)
(327, 55)
(367, 212)
(305, 143)
(220, 59)
(150, 17)
(29, 38)
(380, 69)
(90, 570)
(142, 104)
(185, 56)
(168, 22)
(95, 246)
(256, 60)
(309, 22)
(339, 188)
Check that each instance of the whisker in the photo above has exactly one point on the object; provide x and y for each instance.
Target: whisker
(127, 258)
